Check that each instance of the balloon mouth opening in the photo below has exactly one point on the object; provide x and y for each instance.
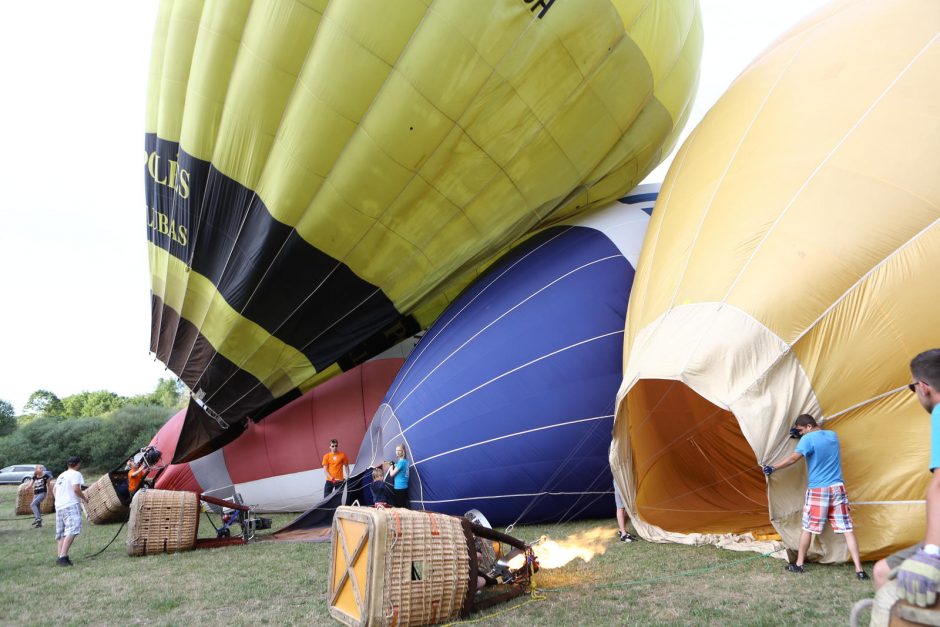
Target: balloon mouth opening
(695, 471)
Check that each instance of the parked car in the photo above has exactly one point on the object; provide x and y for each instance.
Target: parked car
(18, 473)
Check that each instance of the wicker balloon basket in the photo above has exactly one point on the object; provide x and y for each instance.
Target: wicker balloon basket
(397, 567)
(24, 496)
(162, 521)
(104, 506)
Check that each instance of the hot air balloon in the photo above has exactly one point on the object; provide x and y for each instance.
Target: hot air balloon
(275, 465)
(781, 276)
(506, 404)
(321, 180)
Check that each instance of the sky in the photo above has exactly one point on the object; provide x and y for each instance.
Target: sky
(74, 288)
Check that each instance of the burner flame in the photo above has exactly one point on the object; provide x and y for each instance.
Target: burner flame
(584, 545)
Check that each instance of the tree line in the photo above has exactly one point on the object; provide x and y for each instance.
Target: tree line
(102, 427)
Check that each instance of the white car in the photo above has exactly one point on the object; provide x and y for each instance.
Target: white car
(18, 473)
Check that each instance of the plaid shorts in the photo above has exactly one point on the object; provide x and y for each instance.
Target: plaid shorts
(824, 504)
(68, 521)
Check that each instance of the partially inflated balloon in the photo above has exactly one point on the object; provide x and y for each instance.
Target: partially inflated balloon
(323, 177)
(506, 404)
(789, 268)
(275, 465)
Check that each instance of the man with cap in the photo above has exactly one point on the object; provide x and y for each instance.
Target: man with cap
(68, 511)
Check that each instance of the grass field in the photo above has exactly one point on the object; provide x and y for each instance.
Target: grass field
(281, 583)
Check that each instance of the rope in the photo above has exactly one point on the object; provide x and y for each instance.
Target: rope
(94, 555)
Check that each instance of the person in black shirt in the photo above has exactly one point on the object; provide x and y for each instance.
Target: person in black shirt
(380, 491)
(40, 486)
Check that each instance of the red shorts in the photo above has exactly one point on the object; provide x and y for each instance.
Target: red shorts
(824, 504)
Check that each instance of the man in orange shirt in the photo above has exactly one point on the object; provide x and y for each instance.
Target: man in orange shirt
(135, 475)
(336, 468)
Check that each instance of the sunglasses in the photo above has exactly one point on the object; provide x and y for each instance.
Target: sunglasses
(333, 445)
(913, 386)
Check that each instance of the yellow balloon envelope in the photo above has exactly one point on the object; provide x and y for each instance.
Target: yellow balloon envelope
(789, 267)
(323, 176)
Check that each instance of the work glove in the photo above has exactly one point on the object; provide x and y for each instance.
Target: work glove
(795, 433)
(918, 577)
(768, 470)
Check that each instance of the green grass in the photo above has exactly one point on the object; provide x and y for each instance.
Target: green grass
(281, 583)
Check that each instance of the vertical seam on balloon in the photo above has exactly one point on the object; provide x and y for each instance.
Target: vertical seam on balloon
(826, 159)
(501, 316)
(675, 63)
(661, 210)
(638, 15)
(509, 372)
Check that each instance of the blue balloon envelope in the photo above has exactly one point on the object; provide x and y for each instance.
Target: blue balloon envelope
(506, 404)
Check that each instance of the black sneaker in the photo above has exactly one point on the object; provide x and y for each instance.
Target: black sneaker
(861, 575)
(627, 537)
(63, 561)
(37, 524)
(796, 568)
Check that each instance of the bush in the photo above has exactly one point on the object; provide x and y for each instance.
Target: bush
(102, 443)
(125, 431)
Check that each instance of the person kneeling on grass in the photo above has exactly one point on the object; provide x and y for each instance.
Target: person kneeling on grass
(68, 511)
(825, 494)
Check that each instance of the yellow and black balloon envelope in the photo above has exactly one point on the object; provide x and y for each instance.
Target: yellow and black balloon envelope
(790, 267)
(322, 177)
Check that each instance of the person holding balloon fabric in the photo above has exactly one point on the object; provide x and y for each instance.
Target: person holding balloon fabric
(826, 499)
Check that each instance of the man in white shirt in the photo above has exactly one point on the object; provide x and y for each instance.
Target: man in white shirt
(68, 510)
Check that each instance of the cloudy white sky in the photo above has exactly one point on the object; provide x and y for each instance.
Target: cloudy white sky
(74, 295)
